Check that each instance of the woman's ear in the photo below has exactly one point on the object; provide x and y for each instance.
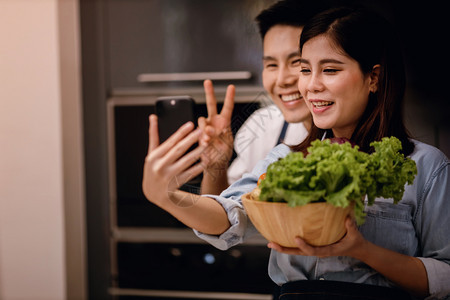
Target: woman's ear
(374, 75)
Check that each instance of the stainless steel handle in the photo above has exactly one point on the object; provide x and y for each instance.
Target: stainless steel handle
(196, 76)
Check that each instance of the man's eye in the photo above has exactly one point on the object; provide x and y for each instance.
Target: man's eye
(305, 71)
(330, 71)
(296, 62)
(271, 66)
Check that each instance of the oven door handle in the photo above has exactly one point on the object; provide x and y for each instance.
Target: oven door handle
(193, 76)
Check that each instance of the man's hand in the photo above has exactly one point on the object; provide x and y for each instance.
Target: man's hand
(218, 140)
(217, 128)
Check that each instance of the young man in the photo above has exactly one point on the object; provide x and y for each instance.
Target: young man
(286, 120)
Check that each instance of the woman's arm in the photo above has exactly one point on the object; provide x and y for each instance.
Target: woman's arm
(200, 213)
(406, 271)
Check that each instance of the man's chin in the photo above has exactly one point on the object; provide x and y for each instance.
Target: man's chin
(292, 117)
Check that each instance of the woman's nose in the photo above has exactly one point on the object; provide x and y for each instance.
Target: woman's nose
(314, 83)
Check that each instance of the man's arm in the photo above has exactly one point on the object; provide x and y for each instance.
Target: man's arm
(214, 181)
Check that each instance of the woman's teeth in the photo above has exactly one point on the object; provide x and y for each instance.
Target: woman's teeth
(321, 103)
(291, 97)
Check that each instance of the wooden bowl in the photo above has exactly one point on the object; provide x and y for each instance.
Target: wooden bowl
(318, 223)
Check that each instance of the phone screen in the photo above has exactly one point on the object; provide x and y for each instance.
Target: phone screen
(172, 113)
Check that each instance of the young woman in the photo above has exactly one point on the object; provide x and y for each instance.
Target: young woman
(352, 79)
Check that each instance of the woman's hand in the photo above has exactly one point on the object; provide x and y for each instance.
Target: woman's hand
(406, 271)
(168, 166)
(351, 244)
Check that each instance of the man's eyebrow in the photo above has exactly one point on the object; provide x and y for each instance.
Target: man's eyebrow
(294, 54)
(290, 55)
(268, 57)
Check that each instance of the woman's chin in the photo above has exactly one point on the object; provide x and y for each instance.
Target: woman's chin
(322, 125)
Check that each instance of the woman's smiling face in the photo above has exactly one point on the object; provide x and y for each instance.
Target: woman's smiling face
(333, 85)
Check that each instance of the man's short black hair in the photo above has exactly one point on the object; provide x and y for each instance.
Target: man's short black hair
(291, 12)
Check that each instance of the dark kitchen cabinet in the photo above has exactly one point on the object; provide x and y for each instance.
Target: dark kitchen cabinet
(192, 267)
(181, 36)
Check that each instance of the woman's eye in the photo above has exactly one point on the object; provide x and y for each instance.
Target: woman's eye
(305, 71)
(270, 66)
(330, 71)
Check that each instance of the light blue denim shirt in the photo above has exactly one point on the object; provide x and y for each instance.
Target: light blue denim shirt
(419, 225)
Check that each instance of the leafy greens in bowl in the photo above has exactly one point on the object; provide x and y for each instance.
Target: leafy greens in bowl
(339, 174)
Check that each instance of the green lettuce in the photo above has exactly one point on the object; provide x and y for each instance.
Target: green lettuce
(339, 174)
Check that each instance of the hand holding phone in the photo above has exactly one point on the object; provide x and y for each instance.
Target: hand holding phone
(173, 112)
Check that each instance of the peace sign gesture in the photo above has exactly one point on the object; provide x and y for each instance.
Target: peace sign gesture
(218, 138)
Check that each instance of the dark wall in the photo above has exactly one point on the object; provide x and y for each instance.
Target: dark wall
(423, 28)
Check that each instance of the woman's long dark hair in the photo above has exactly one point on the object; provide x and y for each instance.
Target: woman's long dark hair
(370, 40)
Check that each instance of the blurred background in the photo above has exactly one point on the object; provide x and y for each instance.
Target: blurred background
(78, 80)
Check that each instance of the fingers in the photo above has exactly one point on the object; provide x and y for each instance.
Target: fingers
(174, 147)
(201, 123)
(228, 105)
(344, 247)
(191, 173)
(350, 224)
(210, 133)
(153, 135)
(186, 167)
(211, 102)
(303, 248)
(285, 250)
(177, 150)
(174, 166)
(176, 137)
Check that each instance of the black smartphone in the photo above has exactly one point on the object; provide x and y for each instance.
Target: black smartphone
(172, 112)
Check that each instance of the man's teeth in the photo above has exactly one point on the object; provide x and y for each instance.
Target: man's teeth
(322, 103)
(291, 97)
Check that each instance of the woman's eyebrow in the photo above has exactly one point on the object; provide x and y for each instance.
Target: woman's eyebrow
(330, 60)
(304, 61)
(323, 61)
